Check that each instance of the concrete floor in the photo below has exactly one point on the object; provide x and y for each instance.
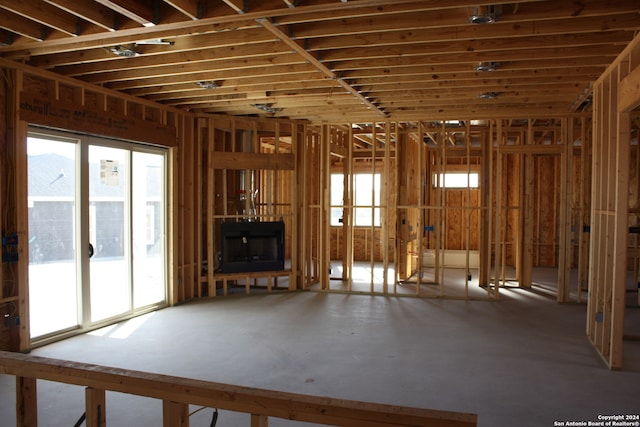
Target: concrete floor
(521, 361)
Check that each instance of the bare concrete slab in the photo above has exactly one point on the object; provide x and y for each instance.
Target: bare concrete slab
(524, 360)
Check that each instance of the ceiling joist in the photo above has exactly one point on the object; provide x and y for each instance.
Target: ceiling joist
(267, 24)
(328, 60)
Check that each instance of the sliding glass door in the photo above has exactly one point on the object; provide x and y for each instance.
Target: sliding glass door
(54, 294)
(109, 228)
(97, 246)
(147, 231)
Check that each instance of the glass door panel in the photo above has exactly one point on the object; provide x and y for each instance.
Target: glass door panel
(97, 231)
(148, 229)
(53, 273)
(109, 229)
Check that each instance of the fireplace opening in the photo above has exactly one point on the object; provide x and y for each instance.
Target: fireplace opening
(252, 246)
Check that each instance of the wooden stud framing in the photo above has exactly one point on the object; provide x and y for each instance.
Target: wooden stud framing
(5, 80)
(259, 421)
(372, 228)
(583, 214)
(198, 215)
(468, 211)
(294, 278)
(526, 266)
(233, 145)
(616, 93)
(26, 402)
(175, 414)
(22, 226)
(210, 211)
(172, 228)
(95, 404)
(421, 185)
(15, 303)
(564, 250)
(487, 209)
(303, 210)
(440, 227)
(497, 266)
(325, 224)
(385, 208)
(349, 214)
(310, 198)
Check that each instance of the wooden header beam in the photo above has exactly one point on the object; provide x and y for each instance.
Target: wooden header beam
(242, 161)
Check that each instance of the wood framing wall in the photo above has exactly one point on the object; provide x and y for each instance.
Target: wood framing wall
(10, 306)
(35, 97)
(529, 210)
(616, 95)
(533, 206)
(512, 220)
(237, 154)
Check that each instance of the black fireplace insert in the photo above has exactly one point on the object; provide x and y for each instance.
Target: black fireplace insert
(252, 246)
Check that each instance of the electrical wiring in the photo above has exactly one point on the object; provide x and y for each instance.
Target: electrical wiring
(214, 417)
(13, 310)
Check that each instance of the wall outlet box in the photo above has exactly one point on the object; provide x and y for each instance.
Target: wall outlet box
(10, 257)
(10, 240)
(12, 321)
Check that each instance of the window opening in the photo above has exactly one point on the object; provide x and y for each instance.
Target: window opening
(456, 180)
(366, 196)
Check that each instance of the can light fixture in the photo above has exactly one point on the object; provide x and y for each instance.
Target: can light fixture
(483, 15)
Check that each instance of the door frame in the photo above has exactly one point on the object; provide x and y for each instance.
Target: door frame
(83, 236)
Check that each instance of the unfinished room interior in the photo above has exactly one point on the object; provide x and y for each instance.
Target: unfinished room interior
(320, 212)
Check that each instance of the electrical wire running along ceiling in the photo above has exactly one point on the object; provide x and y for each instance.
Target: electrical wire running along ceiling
(330, 60)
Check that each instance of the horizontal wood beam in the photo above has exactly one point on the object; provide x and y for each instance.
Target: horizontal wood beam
(213, 24)
(179, 390)
(253, 161)
(67, 115)
(629, 91)
(366, 154)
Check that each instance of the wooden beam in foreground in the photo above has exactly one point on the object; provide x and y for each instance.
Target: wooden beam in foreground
(180, 391)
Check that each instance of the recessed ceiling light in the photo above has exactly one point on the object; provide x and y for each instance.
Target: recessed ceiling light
(157, 41)
(483, 15)
(488, 95)
(486, 67)
(267, 108)
(209, 84)
(123, 51)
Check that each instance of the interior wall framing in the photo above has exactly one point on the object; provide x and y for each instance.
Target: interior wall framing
(260, 154)
(529, 211)
(416, 216)
(354, 151)
(616, 95)
(33, 96)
